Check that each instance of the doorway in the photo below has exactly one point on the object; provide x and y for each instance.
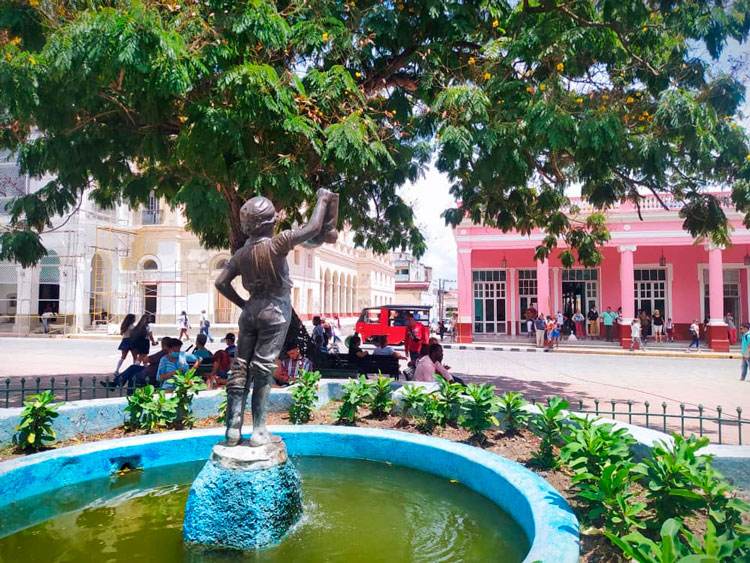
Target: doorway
(223, 312)
(150, 301)
(527, 294)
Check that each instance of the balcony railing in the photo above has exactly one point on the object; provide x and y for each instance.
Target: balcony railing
(648, 204)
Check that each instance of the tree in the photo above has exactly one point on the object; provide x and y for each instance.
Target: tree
(208, 102)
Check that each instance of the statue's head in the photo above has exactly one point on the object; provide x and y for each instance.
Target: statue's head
(258, 216)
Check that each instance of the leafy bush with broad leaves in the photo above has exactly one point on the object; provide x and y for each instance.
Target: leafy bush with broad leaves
(35, 427)
(669, 475)
(611, 498)
(449, 400)
(548, 424)
(515, 417)
(304, 397)
(357, 393)
(413, 398)
(590, 446)
(432, 414)
(150, 409)
(478, 408)
(678, 545)
(381, 396)
(186, 386)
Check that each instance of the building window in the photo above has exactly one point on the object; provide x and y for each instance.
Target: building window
(151, 214)
(489, 301)
(650, 287)
(527, 294)
(221, 264)
(296, 257)
(8, 289)
(309, 260)
(580, 290)
(580, 274)
(150, 265)
(12, 183)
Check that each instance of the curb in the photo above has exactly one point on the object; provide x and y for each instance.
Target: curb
(603, 351)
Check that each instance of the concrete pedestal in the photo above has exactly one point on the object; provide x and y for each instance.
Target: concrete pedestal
(244, 498)
(718, 338)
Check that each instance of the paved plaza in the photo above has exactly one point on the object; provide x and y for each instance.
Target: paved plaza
(585, 377)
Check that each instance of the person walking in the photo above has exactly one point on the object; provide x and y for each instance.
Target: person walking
(441, 329)
(745, 336)
(204, 326)
(695, 332)
(731, 329)
(184, 324)
(635, 335)
(658, 322)
(578, 319)
(645, 326)
(530, 314)
(609, 318)
(539, 327)
(593, 317)
(125, 345)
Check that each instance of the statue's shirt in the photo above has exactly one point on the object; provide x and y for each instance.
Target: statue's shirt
(263, 266)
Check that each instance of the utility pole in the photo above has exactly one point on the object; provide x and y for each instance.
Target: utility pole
(441, 296)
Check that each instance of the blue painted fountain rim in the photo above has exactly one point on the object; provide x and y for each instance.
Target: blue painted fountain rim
(541, 511)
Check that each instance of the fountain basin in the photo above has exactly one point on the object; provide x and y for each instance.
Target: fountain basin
(541, 512)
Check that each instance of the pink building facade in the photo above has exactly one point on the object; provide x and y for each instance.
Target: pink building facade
(648, 264)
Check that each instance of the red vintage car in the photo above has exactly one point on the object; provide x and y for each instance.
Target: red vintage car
(390, 320)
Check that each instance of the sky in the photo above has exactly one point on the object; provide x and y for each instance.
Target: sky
(429, 195)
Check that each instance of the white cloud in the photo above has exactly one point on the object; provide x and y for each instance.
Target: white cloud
(429, 197)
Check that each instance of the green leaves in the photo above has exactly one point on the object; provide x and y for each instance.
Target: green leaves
(511, 407)
(478, 407)
(304, 397)
(381, 401)
(35, 427)
(186, 386)
(150, 409)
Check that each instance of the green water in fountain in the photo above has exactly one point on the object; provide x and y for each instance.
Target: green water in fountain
(355, 511)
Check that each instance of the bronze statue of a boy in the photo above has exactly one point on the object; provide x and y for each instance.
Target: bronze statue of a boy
(262, 264)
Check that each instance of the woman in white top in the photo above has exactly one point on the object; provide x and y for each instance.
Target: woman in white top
(695, 332)
(184, 324)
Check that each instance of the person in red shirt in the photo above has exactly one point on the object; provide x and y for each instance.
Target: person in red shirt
(416, 337)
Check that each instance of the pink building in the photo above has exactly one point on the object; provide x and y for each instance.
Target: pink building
(649, 264)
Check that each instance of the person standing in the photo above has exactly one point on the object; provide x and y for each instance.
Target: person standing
(530, 314)
(669, 327)
(441, 329)
(578, 319)
(645, 326)
(731, 329)
(695, 333)
(416, 336)
(609, 324)
(539, 327)
(593, 317)
(635, 335)
(658, 321)
(204, 326)
(184, 324)
(745, 350)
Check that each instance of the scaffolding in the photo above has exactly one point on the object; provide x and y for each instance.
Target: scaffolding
(111, 244)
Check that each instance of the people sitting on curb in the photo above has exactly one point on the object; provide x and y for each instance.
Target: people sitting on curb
(289, 369)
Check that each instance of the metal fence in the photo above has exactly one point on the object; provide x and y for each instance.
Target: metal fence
(714, 423)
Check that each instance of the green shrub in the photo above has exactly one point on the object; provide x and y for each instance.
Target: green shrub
(356, 394)
(412, 399)
(432, 414)
(677, 545)
(670, 475)
(381, 396)
(591, 446)
(222, 408)
(610, 498)
(449, 400)
(304, 397)
(515, 417)
(478, 406)
(150, 409)
(548, 425)
(35, 427)
(186, 386)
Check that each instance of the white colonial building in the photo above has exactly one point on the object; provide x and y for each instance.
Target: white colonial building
(105, 264)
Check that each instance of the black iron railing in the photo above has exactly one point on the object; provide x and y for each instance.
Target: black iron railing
(14, 391)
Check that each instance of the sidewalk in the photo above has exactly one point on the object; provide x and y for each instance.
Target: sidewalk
(654, 350)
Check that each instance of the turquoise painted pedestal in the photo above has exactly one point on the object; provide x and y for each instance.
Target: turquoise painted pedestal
(244, 498)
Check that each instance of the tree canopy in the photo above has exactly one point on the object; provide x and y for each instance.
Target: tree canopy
(209, 102)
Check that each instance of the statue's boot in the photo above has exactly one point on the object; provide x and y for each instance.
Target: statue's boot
(236, 400)
(261, 436)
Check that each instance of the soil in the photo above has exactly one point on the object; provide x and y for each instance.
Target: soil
(595, 547)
